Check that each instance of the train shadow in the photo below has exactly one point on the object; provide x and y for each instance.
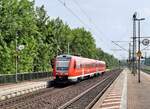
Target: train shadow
(57, 84)
(62, 84)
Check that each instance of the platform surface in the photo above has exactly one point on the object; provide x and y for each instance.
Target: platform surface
(127, 93)
(115, 96)
(12, 90)
(139, 93)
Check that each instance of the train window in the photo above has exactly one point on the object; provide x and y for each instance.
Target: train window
(97, 65)
(83, 65)
(86, 65)
(78, 66)
(74, 65)
(90, 65)
(93, 65)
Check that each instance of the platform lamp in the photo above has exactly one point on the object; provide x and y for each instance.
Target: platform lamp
(18, 48)
(139, 50)
(134, 43)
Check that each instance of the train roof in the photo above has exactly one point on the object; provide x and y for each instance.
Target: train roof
(79, 58)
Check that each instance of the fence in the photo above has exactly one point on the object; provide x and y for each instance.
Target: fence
(10, 78)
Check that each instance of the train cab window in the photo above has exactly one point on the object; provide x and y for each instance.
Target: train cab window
(62, 64)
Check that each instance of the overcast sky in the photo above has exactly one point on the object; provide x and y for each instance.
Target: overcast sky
(112, 18)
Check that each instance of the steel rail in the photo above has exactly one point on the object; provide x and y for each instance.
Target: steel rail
(100, 94)
(85, 92)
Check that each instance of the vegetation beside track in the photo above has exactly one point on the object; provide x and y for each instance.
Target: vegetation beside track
(43, 37)
(146, 70)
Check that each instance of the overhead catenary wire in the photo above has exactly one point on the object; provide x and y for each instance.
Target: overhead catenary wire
(72, 12)
(82, 10)
(75, 15)
(93, 25)
(120, 46)
(89, 18)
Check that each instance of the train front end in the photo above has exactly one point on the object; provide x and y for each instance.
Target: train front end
(62, 68)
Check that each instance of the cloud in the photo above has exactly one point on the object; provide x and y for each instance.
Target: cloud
(143, 12)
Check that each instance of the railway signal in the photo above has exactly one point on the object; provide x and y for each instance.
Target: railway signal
(139, 53)
(145, 42)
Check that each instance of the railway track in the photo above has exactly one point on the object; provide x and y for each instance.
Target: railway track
(52, 98)
(89, 97)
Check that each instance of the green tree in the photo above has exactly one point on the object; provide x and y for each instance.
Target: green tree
(43, 38)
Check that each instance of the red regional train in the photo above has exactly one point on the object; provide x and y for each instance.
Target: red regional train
(73, 68)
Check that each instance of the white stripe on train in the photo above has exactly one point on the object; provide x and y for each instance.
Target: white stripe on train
(75, 78)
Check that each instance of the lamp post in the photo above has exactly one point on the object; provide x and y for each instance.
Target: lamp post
(68, 48)
(16, 57)
(139, 50)
(134, 44)
(18, 48)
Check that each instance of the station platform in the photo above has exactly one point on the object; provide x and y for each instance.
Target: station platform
(138, 93)
(126, 93)
(13, 90)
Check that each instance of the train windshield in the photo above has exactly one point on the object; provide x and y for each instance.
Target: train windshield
(62, 64)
